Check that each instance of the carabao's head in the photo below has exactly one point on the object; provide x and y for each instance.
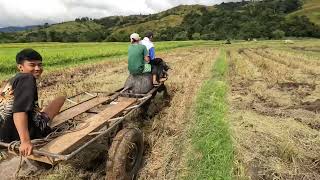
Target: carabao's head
(29, 61)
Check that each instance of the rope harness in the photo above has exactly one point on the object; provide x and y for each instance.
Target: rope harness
(67, 127)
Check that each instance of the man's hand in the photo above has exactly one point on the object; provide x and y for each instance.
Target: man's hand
(147, 59)
(21, 122)
(26, 148)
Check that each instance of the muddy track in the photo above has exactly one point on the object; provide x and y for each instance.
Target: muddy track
(274, 115)
(296, 57)
(165, 126)
(307, 66)
(312, 49)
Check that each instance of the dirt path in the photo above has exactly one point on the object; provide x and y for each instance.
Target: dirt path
(275, 105)
(164, 134)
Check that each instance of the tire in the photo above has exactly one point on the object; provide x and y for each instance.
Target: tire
(125, 155)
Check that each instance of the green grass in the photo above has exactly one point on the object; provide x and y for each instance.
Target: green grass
(311, 9)
(212, 156)
(73, 26)
(61, 55)
(154, 25)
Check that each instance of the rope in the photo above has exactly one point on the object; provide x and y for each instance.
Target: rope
(16, 175)
(11, 149)
(12, 146)
(68, 127)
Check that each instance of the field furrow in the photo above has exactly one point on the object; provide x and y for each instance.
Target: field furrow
(308, 67)
(274, 116)
(167, 133)
(296, 56)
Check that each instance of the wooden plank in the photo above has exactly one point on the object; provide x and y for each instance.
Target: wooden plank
(43, 159)
(76, 110)
(66, 142)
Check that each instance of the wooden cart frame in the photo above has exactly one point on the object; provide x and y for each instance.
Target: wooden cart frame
(104, 117)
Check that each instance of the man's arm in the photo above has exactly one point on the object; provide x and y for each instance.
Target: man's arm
(147, 59)
(21, 122)
(152, 53)
(146, 55)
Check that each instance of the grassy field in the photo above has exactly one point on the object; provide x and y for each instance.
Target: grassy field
(61, 55)
(212, 157)
(249, 110)
(274, 111)
(311, 9)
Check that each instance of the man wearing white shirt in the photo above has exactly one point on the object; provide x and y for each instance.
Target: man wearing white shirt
(147, 41)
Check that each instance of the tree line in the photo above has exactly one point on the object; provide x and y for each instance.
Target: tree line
(266, 19)
(245, 20)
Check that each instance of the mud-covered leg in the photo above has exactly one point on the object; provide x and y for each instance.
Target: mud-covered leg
(144, 109)
(54, 107)
(164, 89)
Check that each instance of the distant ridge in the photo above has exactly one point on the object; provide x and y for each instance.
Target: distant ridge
(311, 9)
(270, 19)
(17, 28)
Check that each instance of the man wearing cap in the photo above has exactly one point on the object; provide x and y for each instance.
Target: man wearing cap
(138, 59)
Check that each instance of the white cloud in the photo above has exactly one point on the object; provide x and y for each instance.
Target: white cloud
(33, 12)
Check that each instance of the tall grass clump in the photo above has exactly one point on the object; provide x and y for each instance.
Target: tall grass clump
(212, 153)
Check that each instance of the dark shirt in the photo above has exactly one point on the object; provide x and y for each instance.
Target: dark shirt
(19, 95)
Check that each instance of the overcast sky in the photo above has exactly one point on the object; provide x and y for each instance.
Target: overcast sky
(34, 12)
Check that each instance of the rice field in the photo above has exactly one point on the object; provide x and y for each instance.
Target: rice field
(274, 111)
(249, 110)
(60, 55)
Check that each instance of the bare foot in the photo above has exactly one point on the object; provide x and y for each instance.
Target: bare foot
(163, 79)
(156, 84)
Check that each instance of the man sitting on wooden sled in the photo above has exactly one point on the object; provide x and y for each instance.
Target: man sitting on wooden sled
(20, 115)
(140, 68)
(158, 67)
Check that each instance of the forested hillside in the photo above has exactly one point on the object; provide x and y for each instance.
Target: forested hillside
(269, 19)
(311, 9)
(244, 20)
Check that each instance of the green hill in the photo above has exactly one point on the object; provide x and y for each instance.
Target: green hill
(163, 20)
(269, 19)
(74, 26)
(311, 9)
(152, 25)
(113, 28)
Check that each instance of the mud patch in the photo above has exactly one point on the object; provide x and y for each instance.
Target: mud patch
(8, 167)
(311, 106)
(289, 86)
(313, 49)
